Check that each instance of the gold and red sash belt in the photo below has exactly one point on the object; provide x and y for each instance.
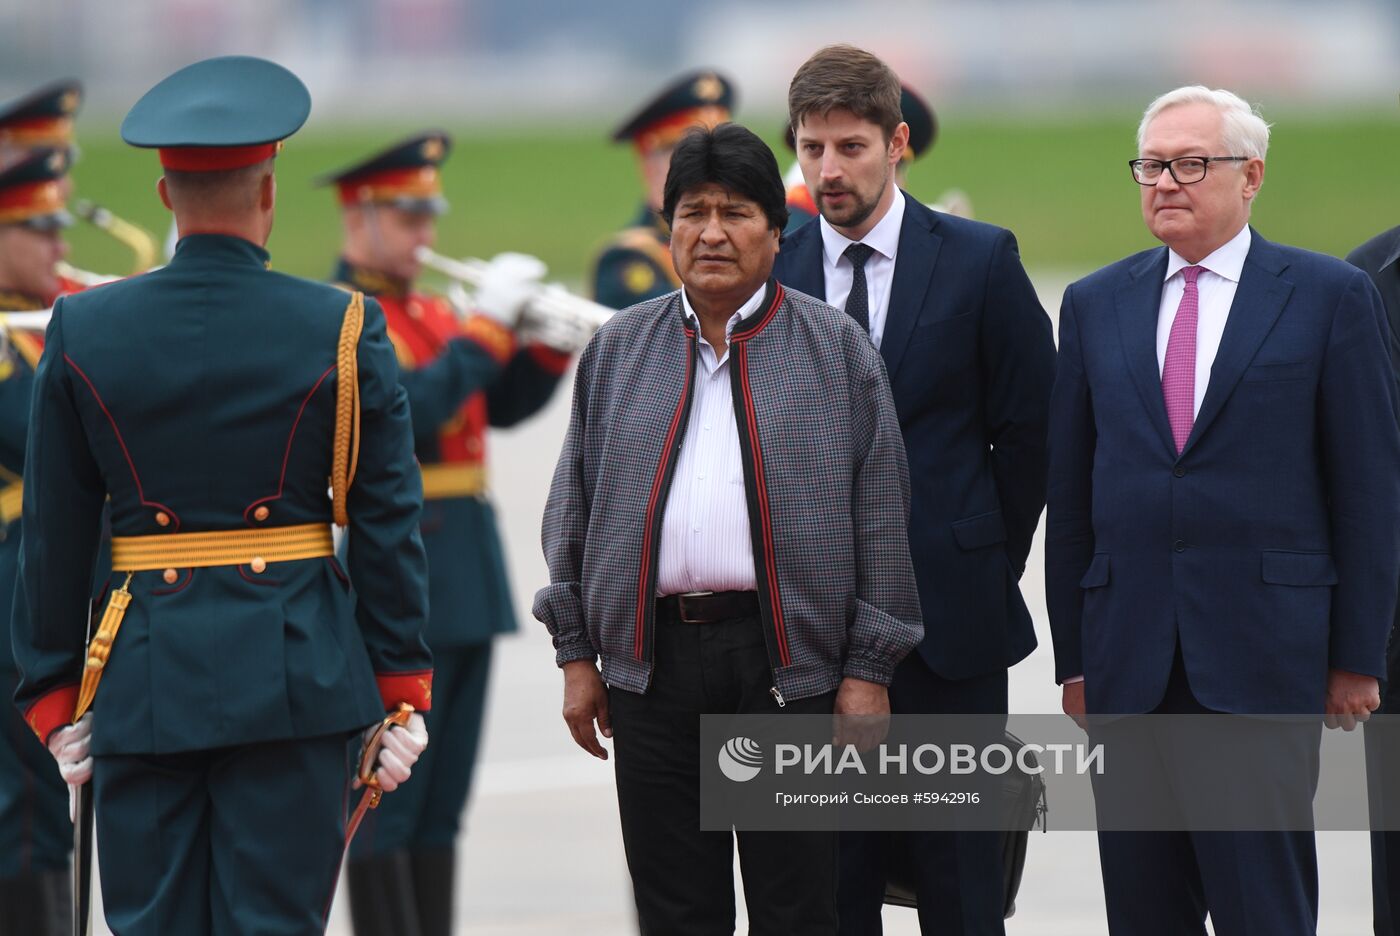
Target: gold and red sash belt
(460, 479)
(221, 548)
(131, 554)
(11, 500)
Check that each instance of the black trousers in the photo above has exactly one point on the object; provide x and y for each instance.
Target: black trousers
(1164, 883)
(684, 878)
(957, 876)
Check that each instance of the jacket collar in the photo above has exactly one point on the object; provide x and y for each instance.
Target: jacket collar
(220, 247)
(1394, 254)
(751, 324)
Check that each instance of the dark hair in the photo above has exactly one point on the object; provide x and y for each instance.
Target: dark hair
(731, 156)
(842, 77)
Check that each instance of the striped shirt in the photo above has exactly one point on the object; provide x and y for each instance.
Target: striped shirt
(706, 543)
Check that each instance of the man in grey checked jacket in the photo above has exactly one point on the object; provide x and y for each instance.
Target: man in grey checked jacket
(726, 530)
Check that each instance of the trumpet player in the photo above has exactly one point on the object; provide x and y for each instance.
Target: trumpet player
(35, 834)
(464, 370)
(44, 120)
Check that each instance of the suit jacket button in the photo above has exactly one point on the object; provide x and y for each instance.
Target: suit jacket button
(261, 513)
(1179, 471)
(162, 518)
(258, 565)
(170, 575)
(1180, 546)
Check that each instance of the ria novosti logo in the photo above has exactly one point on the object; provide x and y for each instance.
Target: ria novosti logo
(740, 759)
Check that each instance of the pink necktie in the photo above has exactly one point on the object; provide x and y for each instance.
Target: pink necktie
(1179, 368)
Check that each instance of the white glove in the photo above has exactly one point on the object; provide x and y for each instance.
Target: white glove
(568, 334)
(399, 751)
(507, 285)
(71, 746)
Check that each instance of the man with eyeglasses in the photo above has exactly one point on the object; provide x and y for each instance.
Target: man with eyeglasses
(1223, 504)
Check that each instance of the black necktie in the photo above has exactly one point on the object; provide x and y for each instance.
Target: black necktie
(858, 302)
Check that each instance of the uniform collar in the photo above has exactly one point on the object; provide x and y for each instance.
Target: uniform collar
(11, 301)
(370, 282)
(224, 247)
(1227, 260)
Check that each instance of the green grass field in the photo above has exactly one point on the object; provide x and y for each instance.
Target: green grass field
(1063, 187)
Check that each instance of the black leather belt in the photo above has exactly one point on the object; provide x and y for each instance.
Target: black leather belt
(708, 607)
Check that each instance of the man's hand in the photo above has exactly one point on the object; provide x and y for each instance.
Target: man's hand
(862, 714)
(399, 750)
(1351, 698)
(1072, 700)
(586, 699)
(71, 746)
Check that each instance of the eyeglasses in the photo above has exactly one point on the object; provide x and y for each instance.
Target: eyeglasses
(1184, 169)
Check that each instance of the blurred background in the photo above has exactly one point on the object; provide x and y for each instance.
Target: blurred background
(1037, 101)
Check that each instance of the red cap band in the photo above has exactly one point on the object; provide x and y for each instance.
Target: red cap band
(215, 158)
(389, 184)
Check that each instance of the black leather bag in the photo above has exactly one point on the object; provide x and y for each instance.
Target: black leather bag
(1026, 808)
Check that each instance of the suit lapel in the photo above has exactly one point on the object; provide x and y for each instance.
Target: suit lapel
(1259, 300)
(1138, 302)
(919, 244)
(804, 251)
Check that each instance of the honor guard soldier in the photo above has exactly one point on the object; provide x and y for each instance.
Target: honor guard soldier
(210, 400)
(35, 833)
(42, 119)
(636, 263)
(463, 372)
(923, 131)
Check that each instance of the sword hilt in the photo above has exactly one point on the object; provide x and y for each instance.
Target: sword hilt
(370, 757)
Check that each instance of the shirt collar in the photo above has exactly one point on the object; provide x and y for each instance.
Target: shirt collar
(1227, 260)
(883, 238)
(744, 311)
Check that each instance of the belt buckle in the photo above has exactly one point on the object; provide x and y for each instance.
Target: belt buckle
(681, 605)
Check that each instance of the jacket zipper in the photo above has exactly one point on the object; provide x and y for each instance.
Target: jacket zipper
(760, 521)
(644, 647)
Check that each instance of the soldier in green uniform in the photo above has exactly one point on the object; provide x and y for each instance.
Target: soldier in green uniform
(35, 834)
(210, 401)
(635, 265)
(465, 371)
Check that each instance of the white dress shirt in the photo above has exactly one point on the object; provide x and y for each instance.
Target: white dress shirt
(705, 544)
(883, 238)
(1216, 285)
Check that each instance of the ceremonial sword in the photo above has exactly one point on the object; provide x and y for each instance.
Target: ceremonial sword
(82, 842)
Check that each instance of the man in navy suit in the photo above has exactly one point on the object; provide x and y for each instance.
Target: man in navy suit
(971, 359)
(1224, 501)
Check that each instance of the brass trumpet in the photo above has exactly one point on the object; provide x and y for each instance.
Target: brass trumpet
(141, 243)
(555, 316)
(138, 240)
